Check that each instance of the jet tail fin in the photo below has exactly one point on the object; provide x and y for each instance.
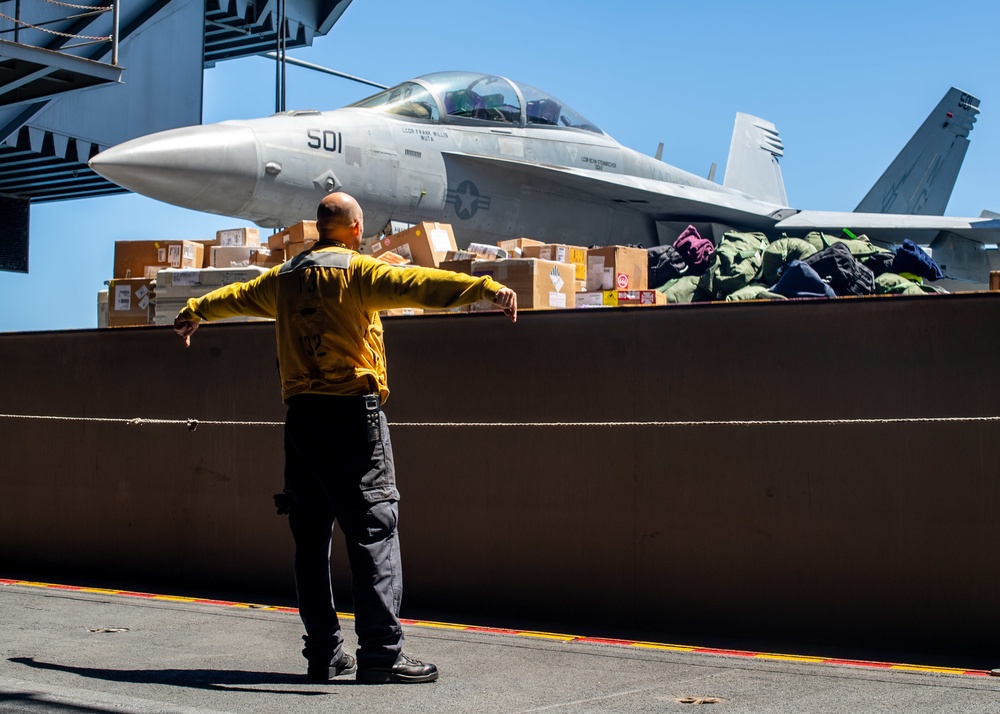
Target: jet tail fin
(752, 166)
(920, 179)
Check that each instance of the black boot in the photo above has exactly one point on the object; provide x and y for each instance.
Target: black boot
(325, 670)
(404, 671)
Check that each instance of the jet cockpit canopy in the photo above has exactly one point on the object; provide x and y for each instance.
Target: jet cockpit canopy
(472, 98)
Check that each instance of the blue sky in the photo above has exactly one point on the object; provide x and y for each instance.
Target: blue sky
(846, 83)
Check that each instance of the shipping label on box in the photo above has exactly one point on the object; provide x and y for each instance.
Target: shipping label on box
(597, 298)
(617, 267)
(425, 244)
(182, 278)
(123, 297)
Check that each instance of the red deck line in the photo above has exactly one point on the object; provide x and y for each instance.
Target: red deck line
(575, 639)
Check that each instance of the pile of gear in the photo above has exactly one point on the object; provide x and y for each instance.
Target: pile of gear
(746, 266)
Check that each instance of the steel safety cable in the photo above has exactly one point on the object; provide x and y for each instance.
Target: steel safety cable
(194, 423)
(22, 23)
(96, 8)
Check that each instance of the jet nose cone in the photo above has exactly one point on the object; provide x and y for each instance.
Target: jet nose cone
(210, 168)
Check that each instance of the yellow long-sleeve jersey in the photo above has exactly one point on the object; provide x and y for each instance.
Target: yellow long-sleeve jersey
(325, 304)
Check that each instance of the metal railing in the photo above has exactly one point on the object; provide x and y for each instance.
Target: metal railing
(72, 25)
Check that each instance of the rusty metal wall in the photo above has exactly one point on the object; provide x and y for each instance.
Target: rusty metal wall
(833, 531)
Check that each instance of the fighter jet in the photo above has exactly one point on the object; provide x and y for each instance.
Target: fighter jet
(501, 159)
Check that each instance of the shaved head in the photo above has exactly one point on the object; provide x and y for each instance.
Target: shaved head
(339, 218)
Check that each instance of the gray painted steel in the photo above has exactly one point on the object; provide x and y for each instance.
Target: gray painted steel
(14, 221)
(45, 141)
(874, 534)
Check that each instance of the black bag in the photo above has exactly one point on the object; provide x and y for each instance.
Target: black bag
(880, 263)
(839, 268)
(799, 280)
(665, 264)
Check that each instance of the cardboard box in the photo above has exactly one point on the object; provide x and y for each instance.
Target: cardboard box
(238, 236)
(539, 284)
(276, 257)
(463, 265)
(241, 256)
(620, 298)
(516, 246)
(231, 256)
(597, 298)
(301, 232)
(617, 267)
(102, 308)
(169, 279)
(561, 253)
(392, 258)
(266, 258)
(425, 244)
(638, 298)
(206, 246)
(487, 252)
(130, 302)
(142, 258)
(459, 255)
(294, 248)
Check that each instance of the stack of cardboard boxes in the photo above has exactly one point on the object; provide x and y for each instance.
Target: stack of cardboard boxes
(154, 279)
(145, 273)
(544, 276)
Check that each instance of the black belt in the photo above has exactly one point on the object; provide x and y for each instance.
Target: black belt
(312, 398)
(368, 404)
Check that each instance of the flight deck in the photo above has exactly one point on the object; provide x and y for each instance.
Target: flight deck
(93, 650)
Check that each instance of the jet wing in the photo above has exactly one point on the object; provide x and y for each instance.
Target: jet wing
(658, 199)
(894, 227)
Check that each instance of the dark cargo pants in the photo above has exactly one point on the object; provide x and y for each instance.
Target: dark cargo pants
(334, 474)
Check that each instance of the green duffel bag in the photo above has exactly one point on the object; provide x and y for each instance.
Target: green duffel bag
(754, 292)
(683, 289)
(893, 284)
(860, 247)
(734, 265)
(818, 240)
(779, 254)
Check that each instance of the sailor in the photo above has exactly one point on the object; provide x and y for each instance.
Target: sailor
(338, 457)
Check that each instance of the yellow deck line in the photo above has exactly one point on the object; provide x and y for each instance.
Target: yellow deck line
(802, 659)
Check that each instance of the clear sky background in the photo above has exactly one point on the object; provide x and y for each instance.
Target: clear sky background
(846, 83)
